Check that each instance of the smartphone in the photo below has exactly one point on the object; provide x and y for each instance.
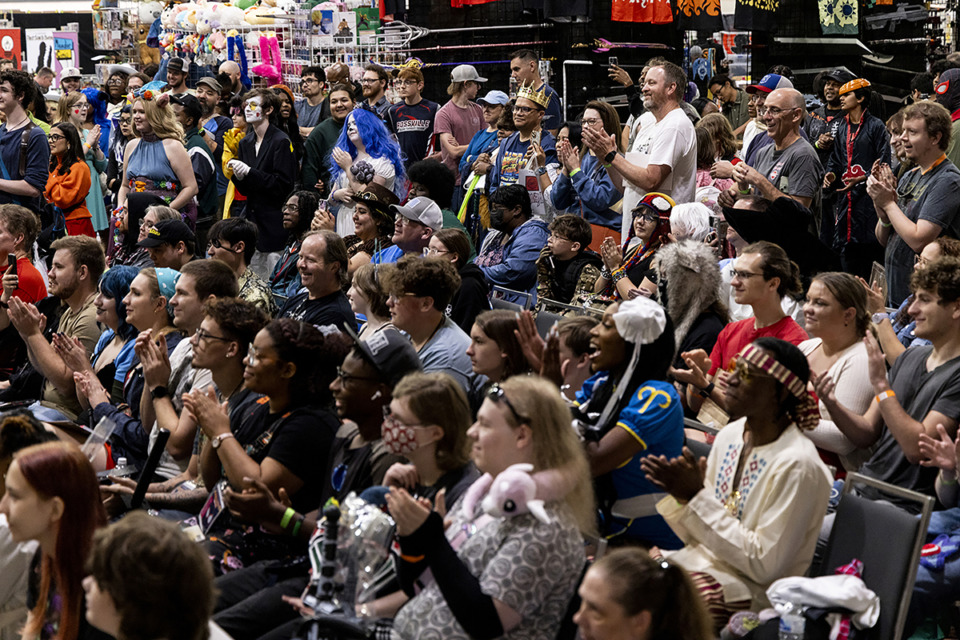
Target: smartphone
(613, 61)
(12, 262)
(535, 137)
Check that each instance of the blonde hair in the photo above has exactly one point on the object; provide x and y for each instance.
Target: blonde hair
(555, 442)
(66, 104)
(437, 399)
(162, 120)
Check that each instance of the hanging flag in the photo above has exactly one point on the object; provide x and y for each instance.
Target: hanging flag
(839, 17)
(755, 15)
(652, 11)
(703, 15)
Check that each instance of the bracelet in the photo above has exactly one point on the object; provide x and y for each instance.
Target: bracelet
(605, 273)
(707, 390)
(744, 192)
(943, 480)
(296, 527)
(618, 275)
(608, 165)
(883, 395)
(886, 225)
(575, 172)
(541, 171)
(816, 145)
(411, 559)
(287, 516)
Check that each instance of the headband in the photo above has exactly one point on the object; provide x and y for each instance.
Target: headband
(853, 85)
(807, 413)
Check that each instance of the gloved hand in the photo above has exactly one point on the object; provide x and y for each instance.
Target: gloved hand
(240, 169)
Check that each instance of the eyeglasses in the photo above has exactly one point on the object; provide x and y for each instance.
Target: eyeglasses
(369, 80)
(346, 377)
(400, 221)
(115, 80)
(395, 297)
(203, 335)
(523, 109)
(589, 122)
(558, 238)
(54, 137)
(776, 112)
(289, 208)
(743, 275)
(746, 373)
(410, 82)
(308, 80)
(430, 251)
(497, 394)
(218, 244)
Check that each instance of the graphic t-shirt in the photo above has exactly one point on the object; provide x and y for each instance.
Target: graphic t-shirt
(413, 125)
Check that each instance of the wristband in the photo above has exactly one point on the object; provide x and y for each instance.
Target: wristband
(744, 192)
(883, 395)
(607, 166)
(576, 171)
(296, 527)
(707, 390)
(541, 171)
(618, 275)
(816, 145)
(287, 516)
(886, 225)
(945, 481)
(605, 273)
(412, 559)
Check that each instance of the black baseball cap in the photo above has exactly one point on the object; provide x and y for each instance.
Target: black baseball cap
(167, 232)
(390, 353)
(190, 104)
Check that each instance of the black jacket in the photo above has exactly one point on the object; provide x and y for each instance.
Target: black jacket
(272, 175)
(471, 298)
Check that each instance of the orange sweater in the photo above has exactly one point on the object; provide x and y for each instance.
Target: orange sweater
(70, 190)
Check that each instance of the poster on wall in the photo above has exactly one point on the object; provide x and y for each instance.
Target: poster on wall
(66, 50)
(107, 29)
(39, 49)
(10, 45)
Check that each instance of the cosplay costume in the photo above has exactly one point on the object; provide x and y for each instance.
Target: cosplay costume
(273, 170)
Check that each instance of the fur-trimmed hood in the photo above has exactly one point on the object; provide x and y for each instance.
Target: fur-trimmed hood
(690, 275)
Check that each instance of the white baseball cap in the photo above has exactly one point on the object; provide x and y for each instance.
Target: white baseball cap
(70, 72)
(465, 73)
(422, 210)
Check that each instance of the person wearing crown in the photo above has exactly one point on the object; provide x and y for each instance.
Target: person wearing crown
(663, 155)
(529, 147)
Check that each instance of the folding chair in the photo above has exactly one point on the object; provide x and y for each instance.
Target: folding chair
(497, 293)
(545, 321)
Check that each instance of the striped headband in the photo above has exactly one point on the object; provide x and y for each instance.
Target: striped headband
(807, 414)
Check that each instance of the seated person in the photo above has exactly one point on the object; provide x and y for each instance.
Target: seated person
(233, 241)
(368, 298)
(628, 410)
(171, 244)
(323, 272)
(473, 294)
(485, 588)
(420, 290)
(763, 275)
(285, 279)
(414, 222)
(142, 212)
(18, 231)
(78, 263)
(508, 256)
(432, 179)
(277, 442)
(566, 268)
(753, 515)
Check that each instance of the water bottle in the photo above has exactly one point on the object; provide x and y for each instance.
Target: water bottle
(792, 622)
(122, 470)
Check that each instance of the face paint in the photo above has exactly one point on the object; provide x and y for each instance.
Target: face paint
(253, 111)
(351, 127)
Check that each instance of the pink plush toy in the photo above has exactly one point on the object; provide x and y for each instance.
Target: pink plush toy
(516, 490)
(271, 63)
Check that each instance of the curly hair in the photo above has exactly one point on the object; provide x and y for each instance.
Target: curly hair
(942, 276)
(315, 355)
(238, 319)
(425, 277)
(22, 84)
(19, 430)
(436, 177)
(138, 558)
(936, 120)
(377, 142)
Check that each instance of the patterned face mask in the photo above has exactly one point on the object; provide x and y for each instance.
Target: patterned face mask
(399, 438)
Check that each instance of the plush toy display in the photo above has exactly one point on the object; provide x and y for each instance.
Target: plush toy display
(271, 63)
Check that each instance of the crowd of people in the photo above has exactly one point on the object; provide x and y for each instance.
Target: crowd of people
(304, 299)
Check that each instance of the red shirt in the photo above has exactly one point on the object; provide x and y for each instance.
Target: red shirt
(30, 287)
(737, 335)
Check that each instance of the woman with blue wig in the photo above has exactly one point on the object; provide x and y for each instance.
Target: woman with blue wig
(113, 356)
(364, 140)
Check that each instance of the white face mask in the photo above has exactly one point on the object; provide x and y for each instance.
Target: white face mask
(253, 111)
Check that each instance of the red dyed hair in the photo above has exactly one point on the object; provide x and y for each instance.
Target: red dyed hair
(60, 470)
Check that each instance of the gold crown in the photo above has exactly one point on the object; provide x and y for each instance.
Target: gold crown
(541, 98)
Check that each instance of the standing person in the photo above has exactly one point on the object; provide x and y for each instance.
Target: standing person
(234, 202)
(52, 496)
(230, 78)
(69, 181)
(375, 79)
(665, 144)
(323, 138)
(733, 100)
(116, 87)
(310, 107)
(214, 127)
(460, 119)
(948, 95)
(485, 140)
(862, 141)
(43, 79)
(265, 172)
(20, 186)
(820, 125)
(921, 206)
(76, 109)
(188, 111)
(156, 161)
(70, 80)
(521, 149)
(178, 70)
(525, 69)
(412, 120)
(288, 120)
(122, 134)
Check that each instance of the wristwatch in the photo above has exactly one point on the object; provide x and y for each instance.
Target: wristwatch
(607, 159)
(541, 171)
(877, 318)
(159, 392)
(216, 442)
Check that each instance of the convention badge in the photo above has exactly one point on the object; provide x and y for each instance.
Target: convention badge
(213, 508)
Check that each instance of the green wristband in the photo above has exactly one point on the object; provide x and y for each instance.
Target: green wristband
(575, 172)
(287, 516)
(296, 527)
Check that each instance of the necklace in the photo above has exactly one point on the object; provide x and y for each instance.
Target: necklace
(11, 127)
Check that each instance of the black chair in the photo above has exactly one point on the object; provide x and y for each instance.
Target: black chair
(545, 320)
(887, 540)
(497, 302)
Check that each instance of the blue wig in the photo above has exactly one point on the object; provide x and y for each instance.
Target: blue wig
(97, 100)
(378, 142)
(115, 284)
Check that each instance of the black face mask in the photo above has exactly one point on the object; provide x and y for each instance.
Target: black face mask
(496, 219)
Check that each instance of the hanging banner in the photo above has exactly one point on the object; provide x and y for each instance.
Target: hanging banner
(755, 15)
(652, 11)
(839, 17)
(10, 46)
(66, 51)
(703, 15)
(39, 49)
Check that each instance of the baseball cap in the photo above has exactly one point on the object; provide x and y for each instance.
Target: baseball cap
(770, 82)
(392, 355)
(494, 97)
(839, 75)
(70, 72)
(465, 73)
(167, 232)
(190, 104)
(422, 210)
(210, 82)
(177, 64)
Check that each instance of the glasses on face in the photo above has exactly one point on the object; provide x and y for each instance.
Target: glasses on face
(394, 298)
(746, 373)
(290, 208)
(430, 251)
(647, 217)
(776, 112)
(369, 80)
(308, 80)
(203, 335)
(743, 275)
(126, 121)
(400, 221)
(558, 238)
(523, 110)
(55, 137)
(410, 82)
(589, 122)
(346, 377)
(497, 394)
(115, 81)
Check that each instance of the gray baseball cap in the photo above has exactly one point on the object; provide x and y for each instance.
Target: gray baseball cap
(422, 210)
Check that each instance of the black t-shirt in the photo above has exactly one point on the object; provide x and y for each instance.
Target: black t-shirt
(413, 125)
(300, 440)
(333, 309)
(701, 335)
(354, 469)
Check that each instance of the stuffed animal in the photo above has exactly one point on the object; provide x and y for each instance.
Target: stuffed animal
(516, 491)
(167, 17)
(149, 11)
(230, 16)
(261, 15)
(271, 63)
(147, 53)
(218, 41)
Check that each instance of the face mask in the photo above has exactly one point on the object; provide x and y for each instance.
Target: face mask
(496, 219)
(399, 439)
(253, 111)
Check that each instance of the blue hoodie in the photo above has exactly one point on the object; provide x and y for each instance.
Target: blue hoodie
(514, 265)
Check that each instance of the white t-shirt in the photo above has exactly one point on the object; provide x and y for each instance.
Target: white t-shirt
(672, 142)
